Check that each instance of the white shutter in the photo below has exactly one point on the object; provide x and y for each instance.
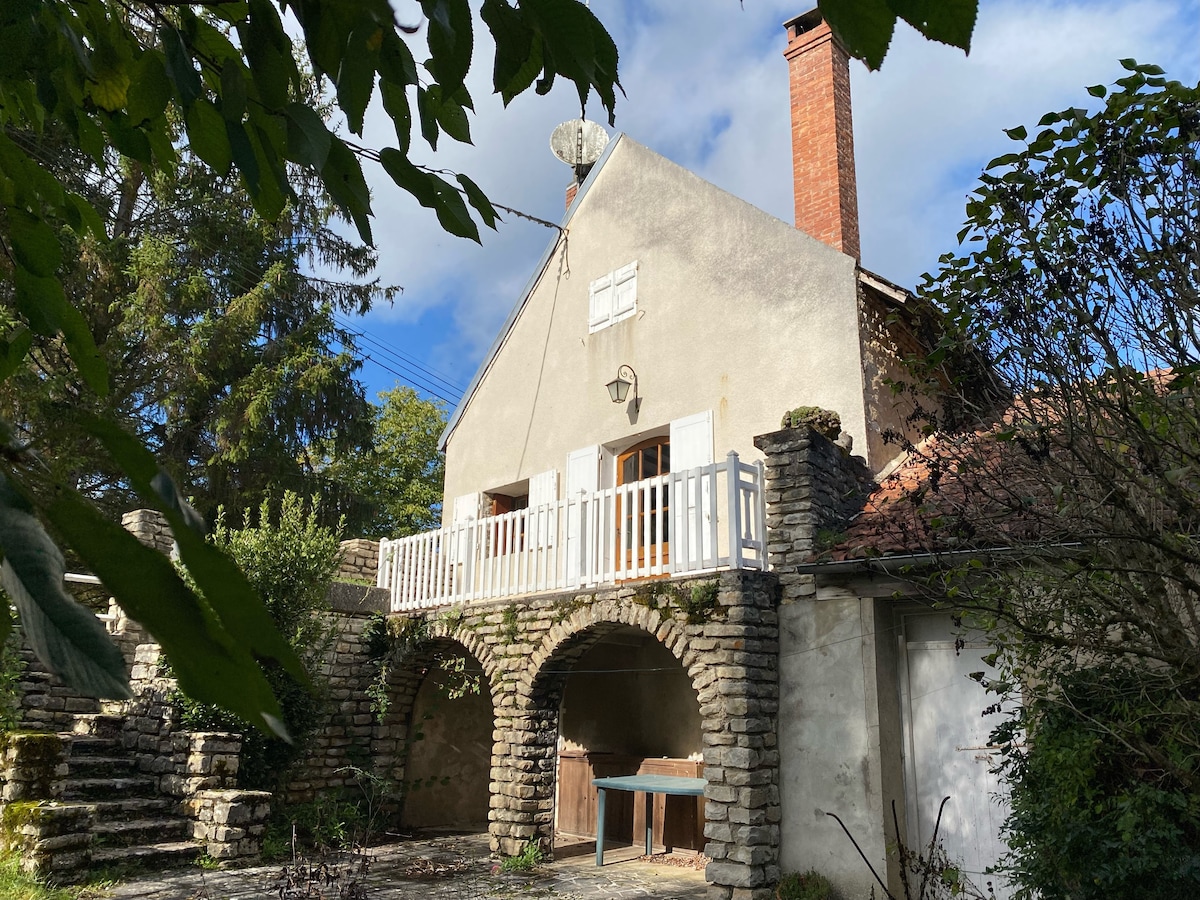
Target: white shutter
(600, 302)
(466, 509)
(691, 446)
(583, 478)
(692, 441)
(543, 488)
(543, 493)
(624, 292)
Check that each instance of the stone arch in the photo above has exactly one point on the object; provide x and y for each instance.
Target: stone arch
(526, 760)
(404, 760)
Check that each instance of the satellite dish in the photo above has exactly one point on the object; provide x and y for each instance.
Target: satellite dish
(578, 142)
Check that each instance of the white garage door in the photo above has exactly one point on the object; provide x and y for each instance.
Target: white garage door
(946, 747)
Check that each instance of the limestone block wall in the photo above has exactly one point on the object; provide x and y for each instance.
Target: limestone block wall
(360, 560)
(46, 703)
(722, 628)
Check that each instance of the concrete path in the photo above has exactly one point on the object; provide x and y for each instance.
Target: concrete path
(443, 868)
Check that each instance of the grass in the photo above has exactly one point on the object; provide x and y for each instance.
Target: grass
(16, 885)
(525, 861)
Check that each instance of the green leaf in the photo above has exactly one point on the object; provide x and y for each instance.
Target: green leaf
(451, 40)
(89, 219)
(479, 201)
(12, 351)
(576, 46)
(355, 80)
(1017, 134)
(34, 243)
(45, 306)
(395, 104)
(864, 26)
(233, 91)
(150, 91)
(307, 137)
(68, 638)
(344, 180)
(518, 55)
(179, 65)
(243, 156)
(228, 593)
(431, 192)
(208, 137)
(269, 52)
(426, 110)
(209, 662)
(453, 119)
(948, 21)
(1097, 90)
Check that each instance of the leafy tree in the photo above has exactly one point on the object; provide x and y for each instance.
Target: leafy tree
(1066, 445)
(118, 80)
(219, 340)
(397, 483)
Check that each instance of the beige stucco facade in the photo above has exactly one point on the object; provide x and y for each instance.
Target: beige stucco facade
(737, 312)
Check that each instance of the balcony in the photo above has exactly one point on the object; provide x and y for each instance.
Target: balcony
(700, 520)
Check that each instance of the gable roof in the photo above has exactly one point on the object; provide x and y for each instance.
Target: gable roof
(527, 291)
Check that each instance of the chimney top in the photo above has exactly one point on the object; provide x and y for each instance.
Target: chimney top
(806, 21)
(822, 133)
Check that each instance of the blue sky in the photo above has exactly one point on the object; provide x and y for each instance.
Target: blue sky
(707, 87)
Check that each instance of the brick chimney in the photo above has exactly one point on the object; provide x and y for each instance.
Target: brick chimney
(822, 133)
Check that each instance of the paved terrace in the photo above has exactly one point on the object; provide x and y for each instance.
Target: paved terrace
(457, 867)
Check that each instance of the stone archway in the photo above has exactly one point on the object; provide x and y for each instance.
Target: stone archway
(724, 631)
(435, 738)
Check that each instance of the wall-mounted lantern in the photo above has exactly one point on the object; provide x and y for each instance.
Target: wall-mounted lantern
(618, 388)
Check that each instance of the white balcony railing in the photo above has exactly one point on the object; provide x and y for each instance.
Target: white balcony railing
(702, 519)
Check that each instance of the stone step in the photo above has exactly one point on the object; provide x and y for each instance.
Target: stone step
(109, 788)
(87, 745)
(133, 808)
(163, 855)
(99, 725)
(85, 768)
(140, 832)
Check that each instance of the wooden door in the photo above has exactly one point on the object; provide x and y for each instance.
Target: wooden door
(641, 522)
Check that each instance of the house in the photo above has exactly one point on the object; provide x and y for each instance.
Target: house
(626, 528)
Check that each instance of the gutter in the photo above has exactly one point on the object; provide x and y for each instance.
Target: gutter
(892, 565)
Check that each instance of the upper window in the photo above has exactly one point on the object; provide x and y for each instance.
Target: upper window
(612, 297)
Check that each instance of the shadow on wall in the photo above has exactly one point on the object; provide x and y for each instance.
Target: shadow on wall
(450, 755)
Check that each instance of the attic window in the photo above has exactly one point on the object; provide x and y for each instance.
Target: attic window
(612, 297)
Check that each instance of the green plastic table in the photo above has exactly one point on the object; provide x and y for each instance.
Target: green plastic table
(649, 785)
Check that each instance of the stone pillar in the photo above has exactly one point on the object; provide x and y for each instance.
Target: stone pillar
(33, 766)
(360, 560)
(813, 488)
(735, 672)
(229, 823)
(150, 527)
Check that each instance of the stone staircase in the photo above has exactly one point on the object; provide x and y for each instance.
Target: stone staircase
(132, 825)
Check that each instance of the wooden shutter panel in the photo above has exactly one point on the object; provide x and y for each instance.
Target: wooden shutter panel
(691, 446)
(625, 291)
(543, 491)
(600, 302)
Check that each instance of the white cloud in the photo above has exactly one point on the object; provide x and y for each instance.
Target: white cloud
(707, 87)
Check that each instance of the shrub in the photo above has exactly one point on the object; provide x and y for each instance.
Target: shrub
(822, 421)
(1090, 818)
(290, 560)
